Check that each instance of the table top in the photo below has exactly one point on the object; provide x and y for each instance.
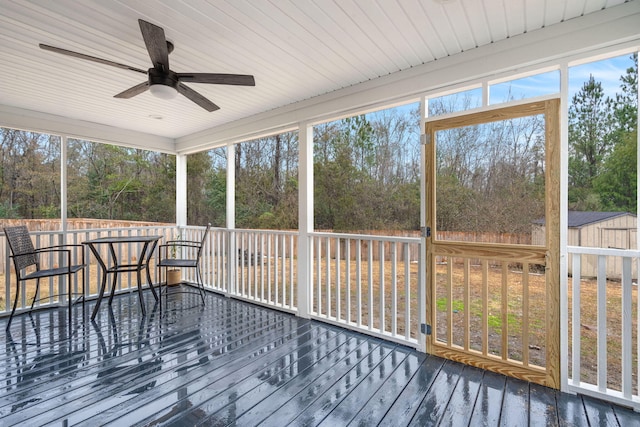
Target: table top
(123, 239)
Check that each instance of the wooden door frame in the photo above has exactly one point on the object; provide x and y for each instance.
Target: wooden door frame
(550, 254)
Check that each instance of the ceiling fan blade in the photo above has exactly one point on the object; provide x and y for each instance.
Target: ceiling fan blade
(197, 98)
(90, 58)
(218, 79)
(133, 91)
(156, 44)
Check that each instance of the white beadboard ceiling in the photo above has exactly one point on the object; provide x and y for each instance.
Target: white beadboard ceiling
(296, 49)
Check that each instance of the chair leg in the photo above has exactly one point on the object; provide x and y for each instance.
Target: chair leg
(84, 291)
(200, 283)
(160, 286)
(70, 291)
(37, 293)
(15, 304)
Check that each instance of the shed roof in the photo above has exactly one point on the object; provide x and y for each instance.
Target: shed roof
(581, 218)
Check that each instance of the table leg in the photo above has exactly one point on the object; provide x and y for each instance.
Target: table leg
(100, 295)
(153, 290)
(139, 274)
(113, 286)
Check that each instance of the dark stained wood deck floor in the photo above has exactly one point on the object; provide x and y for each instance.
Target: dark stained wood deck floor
(233, 363)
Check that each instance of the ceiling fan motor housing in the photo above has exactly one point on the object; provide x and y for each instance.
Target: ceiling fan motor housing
(165, 78)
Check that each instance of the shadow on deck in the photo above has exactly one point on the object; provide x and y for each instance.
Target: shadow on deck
(234, 363)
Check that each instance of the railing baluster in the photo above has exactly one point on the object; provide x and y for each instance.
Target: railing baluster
(525, 314)
(381, 293)
(449, 285)
(276, 275)
(359, 281)
(269, 269)
(602, 323)
(327, 276)
(485, 307)
(627, 328)
(283, 268)
(262, 267)
(505, 309)
(467, 302)
(347, 256)
(394, 288)
(291, 268)
(407, 292)
(575, 319)
(370, 284)
(319, 276)
(338, 295)
(254, 265)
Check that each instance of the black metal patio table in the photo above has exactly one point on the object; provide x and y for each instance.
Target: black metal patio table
(149, 245)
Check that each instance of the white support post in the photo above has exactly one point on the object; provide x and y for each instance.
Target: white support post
(231, 219)
(181, 190)
(564, 188)
(637, 223)
(422, 276)
(305, 218)
(63, 184)
(63, 207)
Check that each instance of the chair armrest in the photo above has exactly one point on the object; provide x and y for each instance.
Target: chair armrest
(185, 244)
(60, 248)
(174, 244)
(182, 242)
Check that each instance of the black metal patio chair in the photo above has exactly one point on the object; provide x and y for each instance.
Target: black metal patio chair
(26, 261)
(172, 256)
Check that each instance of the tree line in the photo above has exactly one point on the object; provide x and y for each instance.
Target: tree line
(603, 135)
(366, 172)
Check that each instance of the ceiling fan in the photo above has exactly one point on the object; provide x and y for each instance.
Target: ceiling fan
(161, 81)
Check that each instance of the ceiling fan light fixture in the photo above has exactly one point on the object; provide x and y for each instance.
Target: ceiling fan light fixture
(163, 84)
(163, 91)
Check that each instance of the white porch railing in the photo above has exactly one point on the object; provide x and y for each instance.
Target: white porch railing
(368, 283)
(603, 325)
(362, 282)
(264, 267)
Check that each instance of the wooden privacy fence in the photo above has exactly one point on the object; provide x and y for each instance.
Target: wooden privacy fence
(52, 225)
(459, 236)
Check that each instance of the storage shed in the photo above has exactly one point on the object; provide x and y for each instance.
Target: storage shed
(596, 229)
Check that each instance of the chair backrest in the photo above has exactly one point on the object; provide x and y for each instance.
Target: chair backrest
(203, 241)
(21, 246)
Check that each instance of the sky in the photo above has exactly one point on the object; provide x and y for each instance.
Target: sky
(607, 72)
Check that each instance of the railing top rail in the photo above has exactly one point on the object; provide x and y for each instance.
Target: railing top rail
(261, 231)
(587, 250)
(369, 237)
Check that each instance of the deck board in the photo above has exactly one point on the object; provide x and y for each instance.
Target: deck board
(411, 397)
(235, 363)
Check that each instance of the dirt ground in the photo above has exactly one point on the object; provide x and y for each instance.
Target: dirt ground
(536, 325)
